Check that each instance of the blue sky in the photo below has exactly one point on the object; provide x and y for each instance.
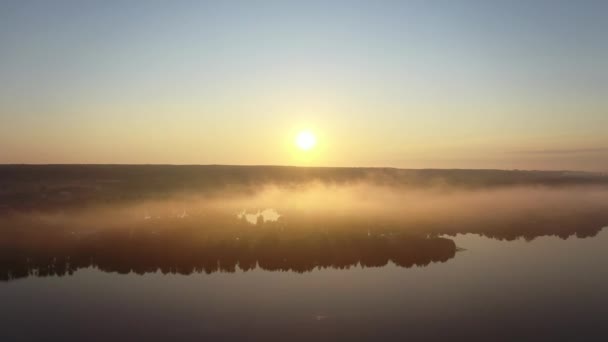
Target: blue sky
(480, 84)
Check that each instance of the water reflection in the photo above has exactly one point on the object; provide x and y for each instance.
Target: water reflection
(268, 214)
(185, 250)
(220, 242)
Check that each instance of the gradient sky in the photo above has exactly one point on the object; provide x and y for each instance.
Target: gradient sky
(464, 84)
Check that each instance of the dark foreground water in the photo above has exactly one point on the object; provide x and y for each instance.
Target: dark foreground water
(548, 288)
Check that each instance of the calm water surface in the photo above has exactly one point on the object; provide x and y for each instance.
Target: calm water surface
(489, 290)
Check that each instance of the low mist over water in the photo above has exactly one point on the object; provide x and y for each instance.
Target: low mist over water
(90, 198)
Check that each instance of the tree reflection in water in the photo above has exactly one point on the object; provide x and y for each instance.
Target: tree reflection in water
(221, 242)
(186, 248)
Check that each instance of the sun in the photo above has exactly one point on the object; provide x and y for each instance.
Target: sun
(306, 140)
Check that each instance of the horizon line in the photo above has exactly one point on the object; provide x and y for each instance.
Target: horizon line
(300, 166)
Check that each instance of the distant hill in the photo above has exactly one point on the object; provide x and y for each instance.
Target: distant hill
(42, 185)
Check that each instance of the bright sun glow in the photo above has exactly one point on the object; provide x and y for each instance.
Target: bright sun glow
(305, 140)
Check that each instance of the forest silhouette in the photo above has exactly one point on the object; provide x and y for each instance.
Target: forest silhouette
(219, 242)
(59, 186)
(57, 219)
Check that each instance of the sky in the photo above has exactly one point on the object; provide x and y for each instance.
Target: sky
(413, 84)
